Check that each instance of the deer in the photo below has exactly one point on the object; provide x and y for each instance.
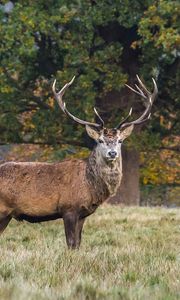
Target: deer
(71, 189)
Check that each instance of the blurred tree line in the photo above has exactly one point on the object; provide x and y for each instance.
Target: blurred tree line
(105, 44)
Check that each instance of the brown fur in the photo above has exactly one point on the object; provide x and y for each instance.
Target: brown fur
(41, 189)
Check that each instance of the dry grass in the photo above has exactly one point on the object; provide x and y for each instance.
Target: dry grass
(126, 253)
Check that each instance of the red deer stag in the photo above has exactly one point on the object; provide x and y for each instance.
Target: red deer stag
(71, 189)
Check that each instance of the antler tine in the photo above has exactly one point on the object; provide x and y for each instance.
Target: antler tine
(141, 92)
(142, 85)
(99, 117)
(135, 91)
(125, 119)
(155, 92)
(58, 96)
(150, 97)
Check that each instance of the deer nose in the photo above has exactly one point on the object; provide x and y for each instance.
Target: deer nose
(112, 153)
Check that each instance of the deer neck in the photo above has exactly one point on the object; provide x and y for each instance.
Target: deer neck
(104, 176)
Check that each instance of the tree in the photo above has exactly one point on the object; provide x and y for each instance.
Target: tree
(104, 43)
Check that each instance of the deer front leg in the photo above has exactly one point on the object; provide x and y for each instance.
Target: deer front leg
(79, 231)
(70, 225)
(4, 220)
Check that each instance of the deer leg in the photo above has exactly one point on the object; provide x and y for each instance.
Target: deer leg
(4, 220)
(79, 231)
(70, 225)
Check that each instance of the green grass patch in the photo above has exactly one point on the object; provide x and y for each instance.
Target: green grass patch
(126, 253)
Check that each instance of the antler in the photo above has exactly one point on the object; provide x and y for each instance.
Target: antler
(142, 91)
(99, 117)
(58, 97)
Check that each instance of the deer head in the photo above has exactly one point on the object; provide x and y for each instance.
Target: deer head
(109, 140)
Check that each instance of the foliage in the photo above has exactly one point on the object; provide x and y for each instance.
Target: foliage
(154, 27)
(160, 168)
(41, 40)
(160, 195)
(120, 258)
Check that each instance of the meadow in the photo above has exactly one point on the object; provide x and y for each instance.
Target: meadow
(126, 253)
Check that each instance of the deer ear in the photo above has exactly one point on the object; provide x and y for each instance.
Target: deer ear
(92, 132)
(126, 132)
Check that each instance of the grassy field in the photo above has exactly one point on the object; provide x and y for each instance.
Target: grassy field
(126, 253)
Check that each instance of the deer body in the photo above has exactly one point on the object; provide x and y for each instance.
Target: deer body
(40, 189)
(71, 189)
(36, 191)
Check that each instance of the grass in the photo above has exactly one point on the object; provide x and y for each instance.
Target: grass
(126, 253)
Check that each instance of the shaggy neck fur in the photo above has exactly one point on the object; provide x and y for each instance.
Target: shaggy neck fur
(105, 176)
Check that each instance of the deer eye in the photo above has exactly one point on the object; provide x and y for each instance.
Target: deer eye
(101, 141)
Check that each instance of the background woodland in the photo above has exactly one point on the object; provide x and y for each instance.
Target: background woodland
(104, 44)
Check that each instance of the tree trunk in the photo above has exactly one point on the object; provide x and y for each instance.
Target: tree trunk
(128, 193)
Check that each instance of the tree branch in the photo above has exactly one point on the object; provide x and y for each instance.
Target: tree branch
(171, 148)
(40, 102)
(62, 142)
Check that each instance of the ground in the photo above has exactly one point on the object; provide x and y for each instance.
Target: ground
(126, 253)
